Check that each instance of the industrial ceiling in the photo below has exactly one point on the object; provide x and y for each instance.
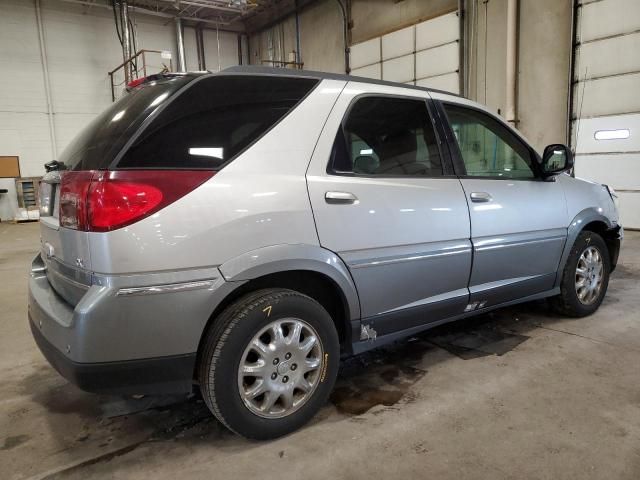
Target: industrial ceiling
(245, 15)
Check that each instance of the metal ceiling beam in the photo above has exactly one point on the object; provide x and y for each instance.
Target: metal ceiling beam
(155, 13)
(203, 4)
(274, 14)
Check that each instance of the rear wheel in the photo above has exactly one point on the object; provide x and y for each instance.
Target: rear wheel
(585, 277)
(269, 363)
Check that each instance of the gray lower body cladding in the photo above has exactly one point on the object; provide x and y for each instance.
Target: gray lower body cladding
(129, 334)
(171, 374)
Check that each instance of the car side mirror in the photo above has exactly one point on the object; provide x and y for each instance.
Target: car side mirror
(557, 158)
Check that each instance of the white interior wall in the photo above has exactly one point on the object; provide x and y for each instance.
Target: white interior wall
(228, 49)
(189, 39)
(82, 47)
(23, 120)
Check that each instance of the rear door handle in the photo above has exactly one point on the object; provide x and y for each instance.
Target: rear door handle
(480, 197)
(340, 198)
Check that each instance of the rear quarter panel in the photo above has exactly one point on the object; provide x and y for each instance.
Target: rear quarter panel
(259, 199)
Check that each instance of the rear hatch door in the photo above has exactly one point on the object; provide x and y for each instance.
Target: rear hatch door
(65, 252)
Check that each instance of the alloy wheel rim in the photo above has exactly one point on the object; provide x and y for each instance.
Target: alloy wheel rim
(589, 275)
(280, 368)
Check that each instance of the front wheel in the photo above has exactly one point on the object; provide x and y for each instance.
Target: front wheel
(269, 363)
(585, 277)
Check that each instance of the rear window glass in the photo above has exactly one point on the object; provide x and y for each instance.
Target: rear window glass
(95, 147)
(214, 120)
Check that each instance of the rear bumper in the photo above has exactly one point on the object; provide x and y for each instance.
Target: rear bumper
(149, 376)
(130, 334)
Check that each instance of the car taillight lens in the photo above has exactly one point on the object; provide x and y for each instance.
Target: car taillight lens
(74, 187)
(101, 201)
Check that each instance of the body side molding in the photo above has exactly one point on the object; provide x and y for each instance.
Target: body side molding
(367, 344)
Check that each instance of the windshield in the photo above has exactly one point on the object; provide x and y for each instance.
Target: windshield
(96, 146)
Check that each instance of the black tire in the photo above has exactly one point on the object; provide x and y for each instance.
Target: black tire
(223, 349)
(567, 302)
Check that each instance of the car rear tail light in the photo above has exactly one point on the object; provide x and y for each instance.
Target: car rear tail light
(101, 201)
(74, 187)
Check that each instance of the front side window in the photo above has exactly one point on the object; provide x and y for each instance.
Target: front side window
(387, 136)
(488, 149)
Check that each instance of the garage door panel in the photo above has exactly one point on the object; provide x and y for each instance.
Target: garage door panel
(365, 53)
(399, 69)
(398, 43)
(437, 61)
(608, 96)
(610, 169)
(425, 54)
(608, 17)
(449, 82)
(371, 71)
(607, 136)
(609, 57)
(606, 129)
(629, 211)
(437, 31)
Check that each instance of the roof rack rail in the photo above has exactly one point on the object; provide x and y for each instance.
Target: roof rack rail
(287, 72)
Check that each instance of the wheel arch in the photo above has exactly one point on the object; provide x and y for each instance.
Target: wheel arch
(311, 270)
(611, 237)
(592, 220)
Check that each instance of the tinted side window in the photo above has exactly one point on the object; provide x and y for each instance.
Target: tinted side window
(387, 136)
(214, 120)
(96, 146)
(488, 149)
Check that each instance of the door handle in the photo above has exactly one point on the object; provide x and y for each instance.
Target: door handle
(340, 198)
(480, 197)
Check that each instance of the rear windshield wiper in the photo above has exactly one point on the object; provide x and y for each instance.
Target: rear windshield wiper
(54, 165)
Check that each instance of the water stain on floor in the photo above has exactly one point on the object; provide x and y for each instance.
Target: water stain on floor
(383, 385)
(384, 376)
(479, 342)
(380, 377)
(14, 441)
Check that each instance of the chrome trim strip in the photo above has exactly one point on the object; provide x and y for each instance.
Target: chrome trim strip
(168, 288)
(39, 269)
(406, 258)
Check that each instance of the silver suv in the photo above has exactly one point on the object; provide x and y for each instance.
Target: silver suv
(242, 231)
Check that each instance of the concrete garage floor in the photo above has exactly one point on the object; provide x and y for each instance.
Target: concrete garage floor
(520, 393)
